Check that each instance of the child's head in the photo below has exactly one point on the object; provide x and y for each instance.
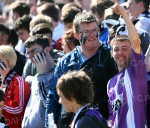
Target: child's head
(2, 99)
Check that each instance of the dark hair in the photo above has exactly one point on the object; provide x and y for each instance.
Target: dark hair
(40, 18)
(69, 38)
(145, 2)
(83, 17)
(23, 23)
(69, 11)
(76, 85)
(2, 98)
(50, 9)
(20, 7)
(42, 28)
(100, 6)
(4, 29)
(37, 39)
(13, 37)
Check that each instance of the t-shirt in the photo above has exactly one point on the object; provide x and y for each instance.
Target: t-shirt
(127, 93)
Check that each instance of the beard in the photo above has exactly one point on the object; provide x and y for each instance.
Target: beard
(123, 65)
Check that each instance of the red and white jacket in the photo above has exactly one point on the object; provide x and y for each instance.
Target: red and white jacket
(16, 97)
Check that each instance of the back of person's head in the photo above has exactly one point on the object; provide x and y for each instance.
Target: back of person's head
(2, 98)
(145, 2)
(82, 18)
(23, 23)
(41, 2)
(76, 85)
(37, 39)
(13, 37)
(8, 53)
(50, 9)
(20, 7)
(4, 29)
(69, 11)
(40, 18)
(100, 5)
(42, 28)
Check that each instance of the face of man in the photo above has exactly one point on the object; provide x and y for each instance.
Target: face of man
(34, 49)
(23, 34)
(121, 53)
(3, 38)
(91, 32)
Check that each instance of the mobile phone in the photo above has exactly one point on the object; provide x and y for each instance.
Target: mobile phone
(2, 65)
(83, 38)
(41, 53)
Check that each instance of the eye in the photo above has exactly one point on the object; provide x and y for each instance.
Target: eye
(116, 49)
(124, 49)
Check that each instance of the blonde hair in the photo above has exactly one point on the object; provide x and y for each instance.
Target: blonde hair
(8, 53)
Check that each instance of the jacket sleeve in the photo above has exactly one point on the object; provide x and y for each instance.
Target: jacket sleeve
(15, 104)
(52, 105)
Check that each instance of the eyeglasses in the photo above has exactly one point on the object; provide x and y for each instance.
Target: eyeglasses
(88, 32)
(33, 52)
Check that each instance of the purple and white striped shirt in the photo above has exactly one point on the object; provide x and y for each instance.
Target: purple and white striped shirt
(127, 92)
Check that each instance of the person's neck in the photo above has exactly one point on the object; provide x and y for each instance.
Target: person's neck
(88, 54)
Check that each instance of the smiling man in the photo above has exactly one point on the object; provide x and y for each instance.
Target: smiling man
(90, 57)
(127, 91)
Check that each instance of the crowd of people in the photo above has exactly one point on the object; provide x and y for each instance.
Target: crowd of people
(86, 62)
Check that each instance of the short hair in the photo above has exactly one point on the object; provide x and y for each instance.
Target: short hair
(69, 37)
(40, 18)
(20, 7)
(4, 29)
(13, 37)
(145, 2)
(37, 39)
(23, 23)
(42, 28)
(100, 6)
(83, 17)
(69, 11)
(120, 38)
(76, 85)
(50, 9)
(8, 53)
(2, 98)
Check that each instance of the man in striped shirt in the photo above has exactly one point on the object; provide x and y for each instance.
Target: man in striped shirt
(127, 90)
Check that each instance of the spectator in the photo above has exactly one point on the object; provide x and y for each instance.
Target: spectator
(37, 48)
(21, 59)
(52, 10)
(90, 57)
(139, 13)
(9, 37)
(16, 89)
(18, 9)
(69, 41)
(21, 26)
(43, 29)
(125, 108)
(76, 95)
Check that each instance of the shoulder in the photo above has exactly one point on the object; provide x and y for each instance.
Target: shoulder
(86, 122)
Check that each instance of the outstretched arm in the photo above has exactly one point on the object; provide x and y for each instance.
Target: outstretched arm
(132, 32)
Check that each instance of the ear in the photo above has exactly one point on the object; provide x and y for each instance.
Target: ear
(76, 35)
